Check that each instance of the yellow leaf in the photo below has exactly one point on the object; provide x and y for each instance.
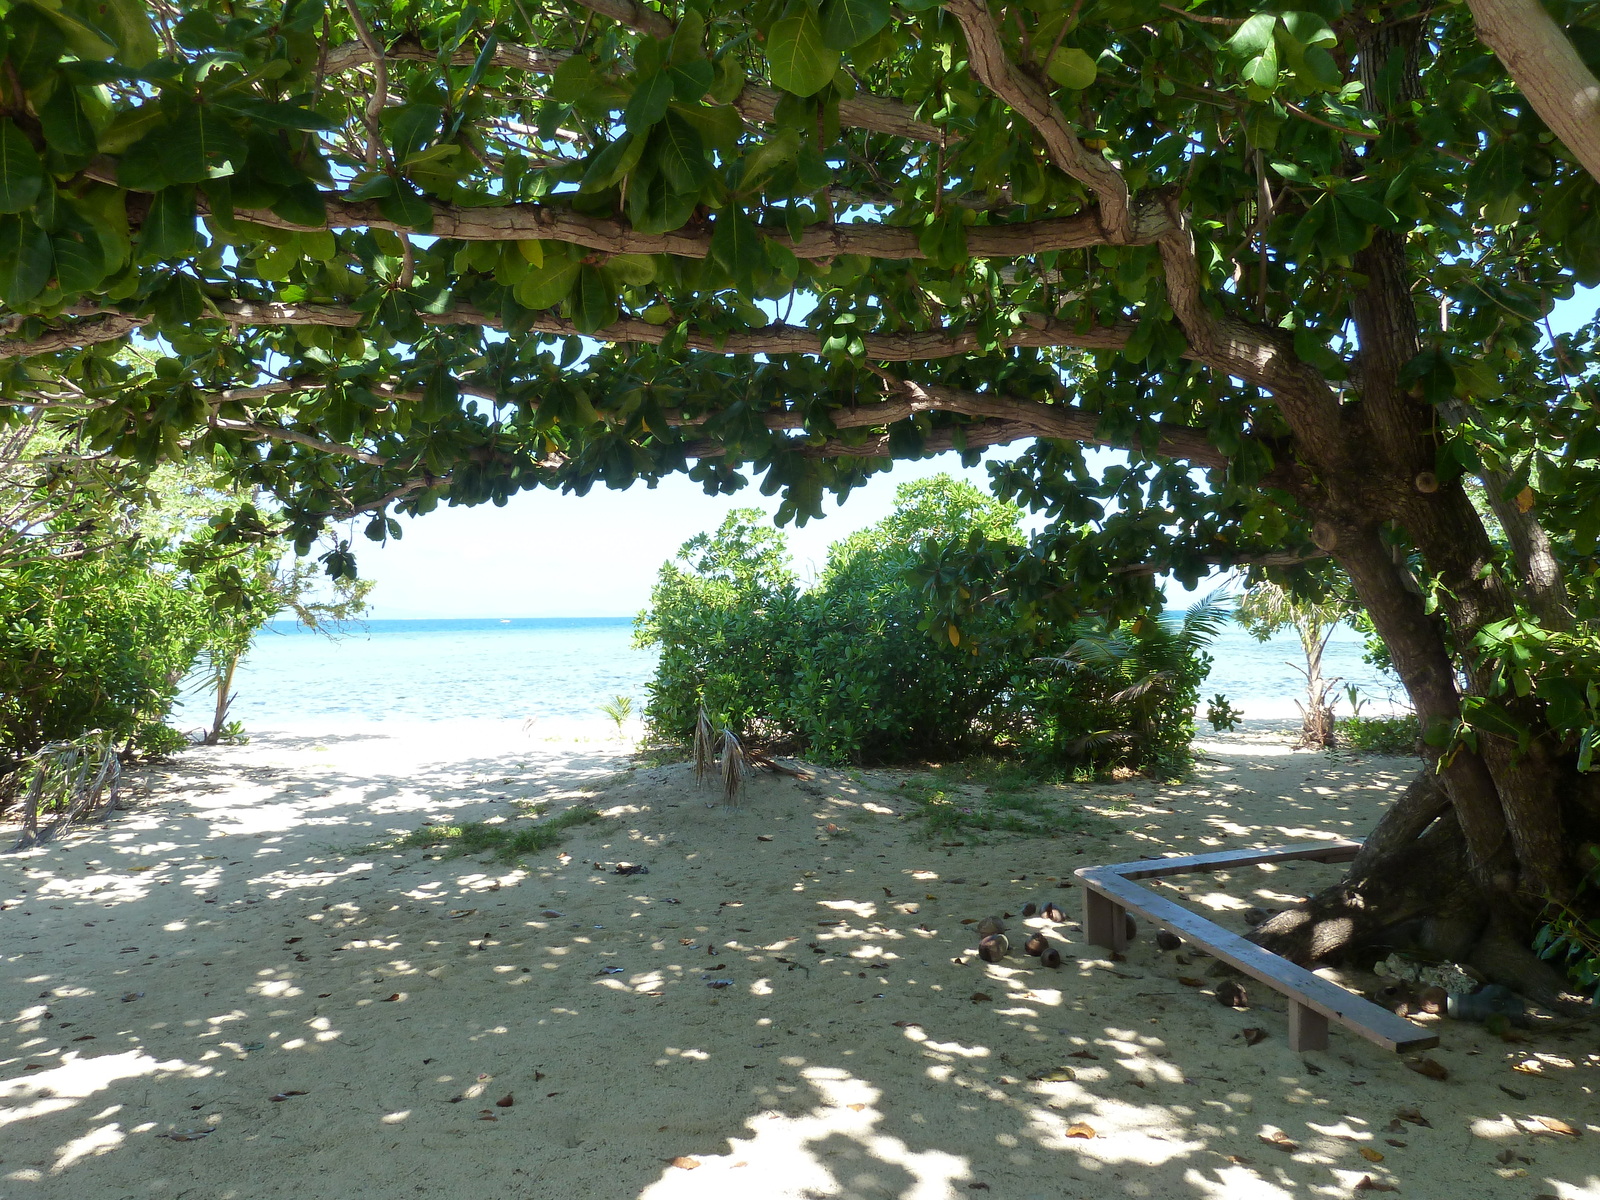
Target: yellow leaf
(955, 636)
(1371, 1155)
(1525, 499)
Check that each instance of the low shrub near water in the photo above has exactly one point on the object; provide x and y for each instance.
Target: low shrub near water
(1398, 735)
(848, 670)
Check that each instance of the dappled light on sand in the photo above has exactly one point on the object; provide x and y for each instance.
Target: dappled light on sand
(228, 992)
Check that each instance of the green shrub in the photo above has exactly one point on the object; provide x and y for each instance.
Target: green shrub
(503, 839)
(1400, 735)
(100, 642)
(1567, 938)
(848, 670)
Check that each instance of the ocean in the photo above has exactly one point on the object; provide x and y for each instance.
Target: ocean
(564, 668)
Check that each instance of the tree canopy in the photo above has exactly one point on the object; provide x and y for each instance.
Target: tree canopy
(1295, 261)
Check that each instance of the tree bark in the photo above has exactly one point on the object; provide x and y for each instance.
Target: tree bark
(1538, 54)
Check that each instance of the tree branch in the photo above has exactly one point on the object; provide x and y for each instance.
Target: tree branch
(1539, 56)
(1030, 99)
(102, 327)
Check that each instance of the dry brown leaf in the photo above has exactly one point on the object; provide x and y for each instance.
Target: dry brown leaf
(1279, 1140)
(763, 837)
(1253, 1036)
(487, 1114)
(1395, 1142)
(980, 997)
(1525, 500)
(282, 1096)
(1430, 1068)
(1371, 1155)
(1413, 1116)
(907, 1025)
(1084, 1054)
(505, 1101)
(390, 999)
(1080, 1130)
(1368, 1184)
(1556, 1125)
(1191, 981)
(683, 1162)
(1054, 1075)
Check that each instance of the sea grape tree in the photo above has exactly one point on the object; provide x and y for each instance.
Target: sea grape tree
(1295, 260)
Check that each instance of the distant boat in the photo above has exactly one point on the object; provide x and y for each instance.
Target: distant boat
(505, 621)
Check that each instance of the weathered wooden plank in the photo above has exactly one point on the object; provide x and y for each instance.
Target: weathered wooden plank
(1154, 868)
(1298, 984)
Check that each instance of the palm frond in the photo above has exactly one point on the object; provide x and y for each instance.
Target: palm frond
(1100, 739)
(1134, 691)
(704, 755)
(734, 767)
(1209, 616)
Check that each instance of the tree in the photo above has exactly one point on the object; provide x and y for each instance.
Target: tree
(1294, 262)
(1267, 608)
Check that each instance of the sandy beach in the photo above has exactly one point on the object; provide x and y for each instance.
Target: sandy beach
(213, 994)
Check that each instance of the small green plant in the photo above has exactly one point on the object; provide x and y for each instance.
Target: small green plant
(233, 734)
(1570, 940)
(1222, 715)
(505, 840)
(1382, 735)
(1357, 701)
(944, 814)
(618, 709)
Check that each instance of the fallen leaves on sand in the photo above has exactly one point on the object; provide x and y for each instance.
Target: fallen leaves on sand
(1231, 993)
(857, 1107)
(1084, 1054)
(1431, 1068)
(683, 1162)
(981, 998)
(1253, 1036)
(550, 912)
(1278, 1140)
(907, 1025)
(1371, 1155)
(1368, 1184)
(1191, 981)
(1054, 1075)
(763, 837)
(86, 1037)
(282, 1096)
(977, 1186)
(391, 999)
(505, 1101)
(487, 1114)
(1556, 1125)
(457, 913)
(187, 1135)
(1079, 1129)
(1509, 1156)
(1412, 1116)
(130, 997)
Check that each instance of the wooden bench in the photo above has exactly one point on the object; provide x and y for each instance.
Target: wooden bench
(1110, 893)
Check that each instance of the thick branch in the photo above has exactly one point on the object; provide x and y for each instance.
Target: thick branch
(1030, 99)
(278, 434)
(777, 338)
(103, 327)
(1541, 58)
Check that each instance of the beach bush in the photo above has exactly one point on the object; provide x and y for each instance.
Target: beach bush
(854, 669)
(92, 642)
(1398, 735)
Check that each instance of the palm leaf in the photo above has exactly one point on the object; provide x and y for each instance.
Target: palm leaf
(734, 767)
(704, 755)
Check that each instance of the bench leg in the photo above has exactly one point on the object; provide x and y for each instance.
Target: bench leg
(1308, 1029)
(1105, 923)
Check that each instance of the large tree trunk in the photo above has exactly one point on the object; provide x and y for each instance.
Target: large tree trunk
(1464, 863)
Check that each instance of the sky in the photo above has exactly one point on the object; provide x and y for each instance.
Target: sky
(549, 555)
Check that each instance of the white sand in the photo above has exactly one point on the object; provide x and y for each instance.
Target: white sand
(174, 969)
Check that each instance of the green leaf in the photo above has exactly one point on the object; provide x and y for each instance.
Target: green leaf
(411, 127)
(848, 23)
(614, 161)
(691, 80)
(632, 269)
(736, 245)
(35, 44)
(66, 126)
(168, 230)
(21, 172)
(199, 145)
(1072, 68)
(180, 303)
(127, 23)
(593, 303)
(302, 204)
(26, 260)
(1263, 69)
(549, 284)
(781, 147)
(406, 206)
(801, 61)
(679, 154)
(1254, 36)
(80, 259)
(1309, 29)
(649, 101)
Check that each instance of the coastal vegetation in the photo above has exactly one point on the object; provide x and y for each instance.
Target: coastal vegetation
(853, 667)
(1295, 264)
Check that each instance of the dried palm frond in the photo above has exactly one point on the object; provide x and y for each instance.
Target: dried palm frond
(734, 767)
(704, 755)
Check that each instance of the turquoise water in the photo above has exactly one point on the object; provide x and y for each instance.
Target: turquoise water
(568, 667)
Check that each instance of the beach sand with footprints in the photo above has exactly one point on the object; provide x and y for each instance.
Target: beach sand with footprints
(212, 995)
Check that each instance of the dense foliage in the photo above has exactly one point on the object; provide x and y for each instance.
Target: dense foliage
(850, 669)
(95, 642)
